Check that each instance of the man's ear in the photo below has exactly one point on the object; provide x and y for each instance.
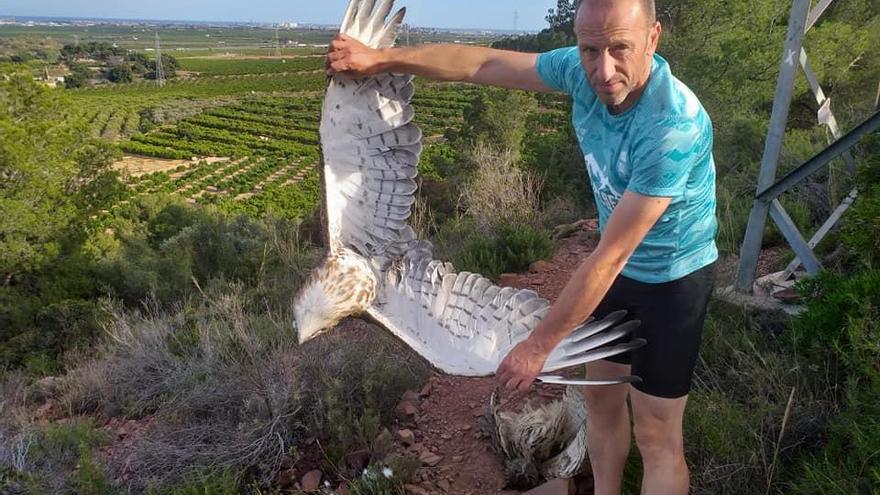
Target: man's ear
(654, 37)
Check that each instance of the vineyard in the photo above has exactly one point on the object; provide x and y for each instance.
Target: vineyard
(230, 67)
(268, 142)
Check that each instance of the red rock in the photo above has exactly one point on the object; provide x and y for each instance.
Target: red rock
(415, 490)
(789, 296)
(342, 489)
(411, 396)
(429, 458)
(444, 485)
(406, 410)
(426, 390)
(540, 266)
(553, 487)
(407, 437)
(507, 279)
(311, 480)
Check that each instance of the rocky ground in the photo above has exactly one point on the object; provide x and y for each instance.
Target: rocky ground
(441, 424)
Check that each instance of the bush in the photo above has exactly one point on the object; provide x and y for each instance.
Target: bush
(231, 394)
(499, 193)
(216, 378)
(840, 331)
(830, 325)
(120, 74)
(350, 394)
(862, 227)
(512, 249)
(58, 459)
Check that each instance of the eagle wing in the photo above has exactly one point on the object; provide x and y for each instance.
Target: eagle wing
(370, 146)
(461, 322)
(464, 324)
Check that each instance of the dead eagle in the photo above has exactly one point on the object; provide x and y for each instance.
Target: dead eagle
(461, 323)
(540, 443)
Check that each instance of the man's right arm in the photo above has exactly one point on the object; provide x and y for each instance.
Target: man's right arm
(508, 69)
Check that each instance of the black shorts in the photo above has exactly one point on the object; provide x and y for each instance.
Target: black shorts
(672, 316)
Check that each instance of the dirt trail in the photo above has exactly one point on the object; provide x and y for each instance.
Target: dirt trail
(449, 409)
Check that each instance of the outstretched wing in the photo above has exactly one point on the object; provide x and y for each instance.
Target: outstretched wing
(460, 322)
(464, 324)
(370, 146)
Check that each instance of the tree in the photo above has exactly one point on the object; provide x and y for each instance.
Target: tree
(120, 73)
(562, 18)
(79, 77)
(559, 34)
(48, 159)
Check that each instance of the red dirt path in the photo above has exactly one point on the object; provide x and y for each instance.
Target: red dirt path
(448, 422)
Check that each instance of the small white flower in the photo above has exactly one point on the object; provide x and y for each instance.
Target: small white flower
(387, 472)
(327, 483)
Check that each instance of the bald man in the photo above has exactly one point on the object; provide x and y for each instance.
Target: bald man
(647, 144)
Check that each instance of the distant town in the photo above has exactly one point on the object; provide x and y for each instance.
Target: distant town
(38, 21)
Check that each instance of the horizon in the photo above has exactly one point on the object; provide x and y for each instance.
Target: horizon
(108, 20)
(494, 15)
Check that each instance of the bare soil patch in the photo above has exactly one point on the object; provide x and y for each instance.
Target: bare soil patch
(137, 165)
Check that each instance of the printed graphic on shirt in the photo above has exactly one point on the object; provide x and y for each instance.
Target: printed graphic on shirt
(602, 188)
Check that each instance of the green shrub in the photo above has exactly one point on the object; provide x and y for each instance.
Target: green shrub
(840, 331)
(219, 484)
(53, 459)
(384, 480)
(351, 394)
(512, 249)
(830, 325)
(862, 227)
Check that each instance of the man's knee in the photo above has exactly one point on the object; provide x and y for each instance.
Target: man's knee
(658, 441)
(658, 427)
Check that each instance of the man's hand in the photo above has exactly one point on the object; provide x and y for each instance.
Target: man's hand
(521, 366)
(350, 56)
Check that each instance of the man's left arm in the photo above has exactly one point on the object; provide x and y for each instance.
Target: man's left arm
(628, 225)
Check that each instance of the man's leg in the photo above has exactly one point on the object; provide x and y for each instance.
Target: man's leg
(658, 430)
(608, 427)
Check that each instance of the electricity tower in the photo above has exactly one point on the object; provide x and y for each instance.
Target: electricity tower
(160, 72)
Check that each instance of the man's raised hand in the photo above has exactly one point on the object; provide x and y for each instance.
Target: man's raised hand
(349, 56)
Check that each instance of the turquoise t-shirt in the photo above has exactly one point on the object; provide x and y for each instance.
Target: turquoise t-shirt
(662, 146)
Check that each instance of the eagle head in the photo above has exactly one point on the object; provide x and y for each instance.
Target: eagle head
(344, 285)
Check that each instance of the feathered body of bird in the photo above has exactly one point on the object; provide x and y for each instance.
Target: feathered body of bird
(539, 443)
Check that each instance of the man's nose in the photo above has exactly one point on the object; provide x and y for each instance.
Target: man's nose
(606, 66)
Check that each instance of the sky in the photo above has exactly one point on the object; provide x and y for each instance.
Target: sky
(489, 14)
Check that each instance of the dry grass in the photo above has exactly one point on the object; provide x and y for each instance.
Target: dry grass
(228, 391)
(216, 377)
(500, 193)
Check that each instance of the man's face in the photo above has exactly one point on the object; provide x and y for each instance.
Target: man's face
(616, 45)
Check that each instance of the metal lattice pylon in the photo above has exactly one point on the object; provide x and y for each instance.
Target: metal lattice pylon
(160, 71)
(766, 200)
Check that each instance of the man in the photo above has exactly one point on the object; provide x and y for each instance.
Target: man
(647, 143)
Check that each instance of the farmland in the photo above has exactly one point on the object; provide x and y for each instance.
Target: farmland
(247, 127)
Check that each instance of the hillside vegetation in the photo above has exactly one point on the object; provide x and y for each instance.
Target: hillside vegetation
(163, 298)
